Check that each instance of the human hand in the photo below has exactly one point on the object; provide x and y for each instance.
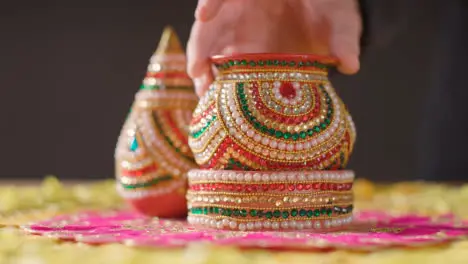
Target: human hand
(324, 27)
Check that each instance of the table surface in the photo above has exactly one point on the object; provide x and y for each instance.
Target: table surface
(25, 201)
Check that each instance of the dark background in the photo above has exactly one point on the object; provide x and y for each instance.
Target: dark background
(68, 76)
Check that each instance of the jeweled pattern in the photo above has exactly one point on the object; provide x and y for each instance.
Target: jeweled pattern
(271, 116)
(152, 154)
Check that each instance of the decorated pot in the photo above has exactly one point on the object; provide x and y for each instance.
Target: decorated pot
(272, 139)
(152, 154)
(272, 112)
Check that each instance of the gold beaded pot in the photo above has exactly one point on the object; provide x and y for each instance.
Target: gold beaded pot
(152, 154)
(278, 115)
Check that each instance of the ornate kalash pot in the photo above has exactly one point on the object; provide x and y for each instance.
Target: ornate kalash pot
(272, 139)
(152, 154)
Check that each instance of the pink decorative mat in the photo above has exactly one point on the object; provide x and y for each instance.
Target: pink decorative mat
(370, 230)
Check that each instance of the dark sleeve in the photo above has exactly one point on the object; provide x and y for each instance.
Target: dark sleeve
(383, 20)
(364, 36)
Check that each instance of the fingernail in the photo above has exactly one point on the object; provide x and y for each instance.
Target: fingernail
(229, 51)
(349, 65)
(199, 10)
(203, 11)
(198, 83)
(199, 13)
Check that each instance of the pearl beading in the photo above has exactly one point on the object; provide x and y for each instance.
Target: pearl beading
(206, 154)
(143, 193)
(157, 67)
(152, 155)
(168, 58)
(313, 128)
(200, 144)
(160, 149)
(166, 122)
(165, 155)
(204, 121)
(165, 62)
(125, 164)
(280, 125)
(273, 99)
(145, 95)
(206, 101)
(139, 179)
(268, 198)
(196, 175)
(247, 135)
(226, 223)
(286, 76)
(128, 132)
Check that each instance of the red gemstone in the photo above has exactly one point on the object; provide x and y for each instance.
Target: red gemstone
(287, 90)
(265, 187)
(300, 187)
(281, 187)
(291, 187)
(274, 186)
(316, 185)
(325, 186)
(239, 188)
(308, 186)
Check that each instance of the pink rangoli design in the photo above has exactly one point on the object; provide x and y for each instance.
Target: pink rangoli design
(370, 230)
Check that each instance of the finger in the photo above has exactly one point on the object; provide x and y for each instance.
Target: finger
(345, 33)
(201, 70)
(250, 47)
(202, 84)
(199, 48)
(208, 9)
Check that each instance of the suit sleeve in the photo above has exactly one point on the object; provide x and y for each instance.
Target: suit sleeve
(382, 21)
(363, 8)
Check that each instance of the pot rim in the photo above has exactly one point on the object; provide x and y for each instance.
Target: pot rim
(330, 60)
